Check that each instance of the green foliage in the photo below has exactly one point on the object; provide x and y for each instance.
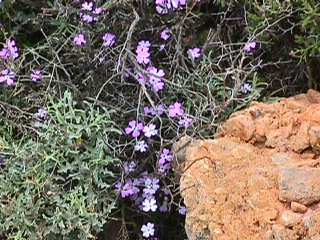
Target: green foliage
(309, 39)
(273, 20)
(60, 184)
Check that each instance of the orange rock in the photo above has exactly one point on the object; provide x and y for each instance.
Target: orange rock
(300, 185)
(232, 185)
(293, 123)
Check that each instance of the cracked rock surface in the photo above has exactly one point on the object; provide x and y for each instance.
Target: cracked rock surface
(260, 178)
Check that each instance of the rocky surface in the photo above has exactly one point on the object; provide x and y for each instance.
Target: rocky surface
(260, 178)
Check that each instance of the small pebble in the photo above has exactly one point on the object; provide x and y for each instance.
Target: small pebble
(289, 218)
(298, 207)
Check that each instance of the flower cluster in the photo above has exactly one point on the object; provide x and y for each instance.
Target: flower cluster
(146, 185)
(129, 167)
(141, 146)
(134, 128)
(90, 13)
(165, 6)
(185, 122)
(176, 111)
(250, 47)
(143, 190)
(80, 40)
(147, 191)
(109, 40)
(155, 79)
(8, 77)
(142, 51)
(150, 130)
(165, 34)
(156, 111)
(246, 88)
(36, 75)
(165, 161)
(9, 51)
(194, 53)
(129, 189)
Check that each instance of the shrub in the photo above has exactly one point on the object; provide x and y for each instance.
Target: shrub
(60, 184)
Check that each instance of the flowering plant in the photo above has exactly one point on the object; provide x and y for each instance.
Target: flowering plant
(162, 69)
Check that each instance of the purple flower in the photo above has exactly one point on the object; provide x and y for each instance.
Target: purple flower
(163, 6)
(165, 161)
(36, 76)
(176, 110)
(87, 18)
(150, 130)
(161, 9)
(79, 40)
(149, 111)
(175, 3)
(249, 47)
(143, 55)
(149, 204)
(10, 50)
(8, 77)
(144, 44)
(161, 2)
(147, 230)
(185, 122)
(166, 155)
(109, 40)
(129, 189)
(165, 34)
(5, 54)
(134, 128)
(129, 167)
(246, 88)
(158, 110)
(194, 53)
(87, 6)
(141, 146)
(151, 186)
(156, 79)
(98, 10)
(141, 79)
(42, 114)
(182, 210)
